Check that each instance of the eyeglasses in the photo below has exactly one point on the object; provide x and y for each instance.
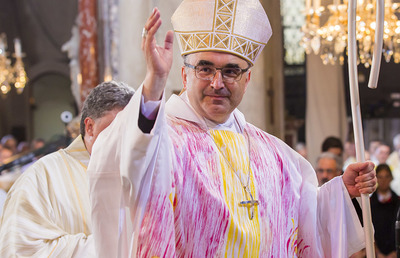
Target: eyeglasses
(208, 72)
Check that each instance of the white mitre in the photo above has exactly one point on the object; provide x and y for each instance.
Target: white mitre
(239, 27)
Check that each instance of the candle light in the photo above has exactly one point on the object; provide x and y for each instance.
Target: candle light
(336, 3)
(317, 4)
(17, 47)
(308, 6)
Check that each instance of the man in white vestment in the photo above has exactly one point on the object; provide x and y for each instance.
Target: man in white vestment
(196, 178)
(47, 211)
(394, 162)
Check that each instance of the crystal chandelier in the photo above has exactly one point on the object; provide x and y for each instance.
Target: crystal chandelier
(330, 39)
(11, 74)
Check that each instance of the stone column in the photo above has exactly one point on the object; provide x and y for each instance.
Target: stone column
(88, 46)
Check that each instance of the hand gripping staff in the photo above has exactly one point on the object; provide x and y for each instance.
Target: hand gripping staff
(355, 100)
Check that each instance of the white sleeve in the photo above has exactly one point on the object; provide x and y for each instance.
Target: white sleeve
(150, 108)
(29, 224)
(119, 176)
(327, 217)
(339, 227)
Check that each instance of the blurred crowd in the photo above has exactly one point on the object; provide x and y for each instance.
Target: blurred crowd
(9, 147)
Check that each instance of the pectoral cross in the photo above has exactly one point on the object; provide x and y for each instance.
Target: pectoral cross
(249, 204)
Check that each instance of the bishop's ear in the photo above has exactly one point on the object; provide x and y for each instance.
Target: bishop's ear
(184, 77)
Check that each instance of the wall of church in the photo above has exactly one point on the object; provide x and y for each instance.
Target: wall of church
(51, 95)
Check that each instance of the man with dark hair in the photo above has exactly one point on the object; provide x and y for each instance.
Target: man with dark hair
(332, 144)
(47, 211)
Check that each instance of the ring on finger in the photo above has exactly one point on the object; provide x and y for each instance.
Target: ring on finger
(144, 32)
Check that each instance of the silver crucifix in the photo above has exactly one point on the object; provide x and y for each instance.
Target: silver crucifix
(250, 204)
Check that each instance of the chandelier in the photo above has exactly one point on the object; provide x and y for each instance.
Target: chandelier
(11, 74)
(329, 40)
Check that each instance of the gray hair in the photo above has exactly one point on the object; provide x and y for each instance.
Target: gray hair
(330, 155)
(103, 98)
(7, 138)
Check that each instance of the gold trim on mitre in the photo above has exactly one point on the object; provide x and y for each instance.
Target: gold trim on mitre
(239, 27)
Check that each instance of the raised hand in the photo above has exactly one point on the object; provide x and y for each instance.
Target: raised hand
(360, 178)
(158, 58)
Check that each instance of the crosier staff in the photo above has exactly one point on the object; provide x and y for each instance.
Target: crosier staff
(355, 100)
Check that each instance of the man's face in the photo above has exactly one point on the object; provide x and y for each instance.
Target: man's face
(382, 153)
(384, 178)
(372, 146)
(94, 127)
(5, 154)
(326, 170)
(38, 145)
(216, 99)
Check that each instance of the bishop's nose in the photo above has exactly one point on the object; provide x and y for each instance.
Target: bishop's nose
(217, 82)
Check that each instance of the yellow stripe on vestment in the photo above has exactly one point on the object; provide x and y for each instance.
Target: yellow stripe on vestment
(243, 236)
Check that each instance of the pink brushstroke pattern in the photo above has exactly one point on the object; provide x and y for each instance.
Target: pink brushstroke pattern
(195, 224)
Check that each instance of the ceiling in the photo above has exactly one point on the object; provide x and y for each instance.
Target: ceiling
(43, 26)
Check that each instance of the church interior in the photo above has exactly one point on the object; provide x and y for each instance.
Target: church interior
(54, 52)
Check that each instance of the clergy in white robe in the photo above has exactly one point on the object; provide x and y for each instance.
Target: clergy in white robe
(203, 182)
(47, 211)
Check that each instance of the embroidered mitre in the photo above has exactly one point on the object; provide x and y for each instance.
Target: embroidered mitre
(239, 27)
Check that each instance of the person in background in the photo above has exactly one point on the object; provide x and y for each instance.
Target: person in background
(37, 143)
(373, 144)
(23, 147)
(301, 149)
(332, 144)
(384, 206)
(350, 153)
(9, 141)
(381, 154)
(394, 158)
(394, 162)
(47, 211)
(329, 165)
(5, 154)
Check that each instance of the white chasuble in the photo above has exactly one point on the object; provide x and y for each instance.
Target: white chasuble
(47, 211)
(183, 184)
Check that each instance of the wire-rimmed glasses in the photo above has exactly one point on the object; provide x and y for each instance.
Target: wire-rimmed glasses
(208, 72)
